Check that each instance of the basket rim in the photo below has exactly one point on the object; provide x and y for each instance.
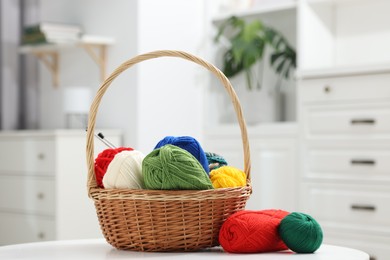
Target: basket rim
(169, 195)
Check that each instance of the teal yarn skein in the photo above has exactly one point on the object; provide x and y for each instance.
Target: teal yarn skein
(301, 233)
(215, 161)
(173, 168)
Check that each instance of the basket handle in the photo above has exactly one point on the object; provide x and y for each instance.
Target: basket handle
(152, 55)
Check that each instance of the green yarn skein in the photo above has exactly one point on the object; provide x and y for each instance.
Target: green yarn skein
(173, 168)
(300, 232)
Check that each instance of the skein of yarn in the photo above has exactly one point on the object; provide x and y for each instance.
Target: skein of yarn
(189, 144)
(173, 168)
(227, 177)
(124, 171)
(103, 160)
(215, 161)
(301, 233)
(250, 231)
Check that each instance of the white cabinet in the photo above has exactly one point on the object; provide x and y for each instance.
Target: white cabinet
(343, 33)
(345, 155)
(344, 114)
(43, 178)
(356, 207)
(273, 157)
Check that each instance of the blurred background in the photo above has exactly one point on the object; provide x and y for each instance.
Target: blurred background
(311, 75)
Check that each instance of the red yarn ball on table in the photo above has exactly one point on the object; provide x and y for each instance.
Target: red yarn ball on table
(249, 231)
(103, 160)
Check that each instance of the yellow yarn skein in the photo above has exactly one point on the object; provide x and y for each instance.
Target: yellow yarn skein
(227, 177)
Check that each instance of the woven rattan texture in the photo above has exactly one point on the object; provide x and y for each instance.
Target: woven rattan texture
(168, 222)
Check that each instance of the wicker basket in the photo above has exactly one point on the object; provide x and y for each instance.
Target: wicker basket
(156, 220)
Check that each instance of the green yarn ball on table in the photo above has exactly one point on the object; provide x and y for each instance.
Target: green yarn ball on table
(173, 168)
(301, 233)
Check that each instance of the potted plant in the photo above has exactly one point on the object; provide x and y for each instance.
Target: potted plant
(247, 45)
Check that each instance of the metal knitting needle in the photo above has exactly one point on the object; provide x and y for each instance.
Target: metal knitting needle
(104, 141)
(101, 136)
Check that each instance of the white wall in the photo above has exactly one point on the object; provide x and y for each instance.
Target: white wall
(9, 15)
(170, 90)
(151, 100)
(115, 19)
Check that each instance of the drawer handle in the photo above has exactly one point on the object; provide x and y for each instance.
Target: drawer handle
(327, 89)
(363, 121)
(362, 162)
(41, 235)
(372, 257)
(41, 156)
(363, 207)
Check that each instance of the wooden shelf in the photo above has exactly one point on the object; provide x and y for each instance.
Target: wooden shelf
(257, 10)
(49, 53)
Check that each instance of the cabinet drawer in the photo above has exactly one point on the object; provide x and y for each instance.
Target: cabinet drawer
(19, 228)
(27, 194)
(354, 120)
(376, 246)
(346, 88)
(27, 155)
(358, 206)
(368, 165)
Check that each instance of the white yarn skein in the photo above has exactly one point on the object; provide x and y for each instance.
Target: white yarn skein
(125, 171)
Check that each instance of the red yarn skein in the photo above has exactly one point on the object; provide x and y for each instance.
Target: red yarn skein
(250, 231)
(103, 160)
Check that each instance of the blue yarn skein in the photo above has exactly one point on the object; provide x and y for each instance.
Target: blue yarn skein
(189, 144)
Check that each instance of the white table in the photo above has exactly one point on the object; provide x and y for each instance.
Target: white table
(98, 249)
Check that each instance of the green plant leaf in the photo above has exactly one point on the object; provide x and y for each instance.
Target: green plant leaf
(270, 35)
(232, 21)
(248, 41)
(275, 56)
(250, 32)
(279, 68)
(287, 71)
(230, 66)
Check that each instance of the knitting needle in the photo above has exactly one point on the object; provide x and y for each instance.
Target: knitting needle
(100, 136)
